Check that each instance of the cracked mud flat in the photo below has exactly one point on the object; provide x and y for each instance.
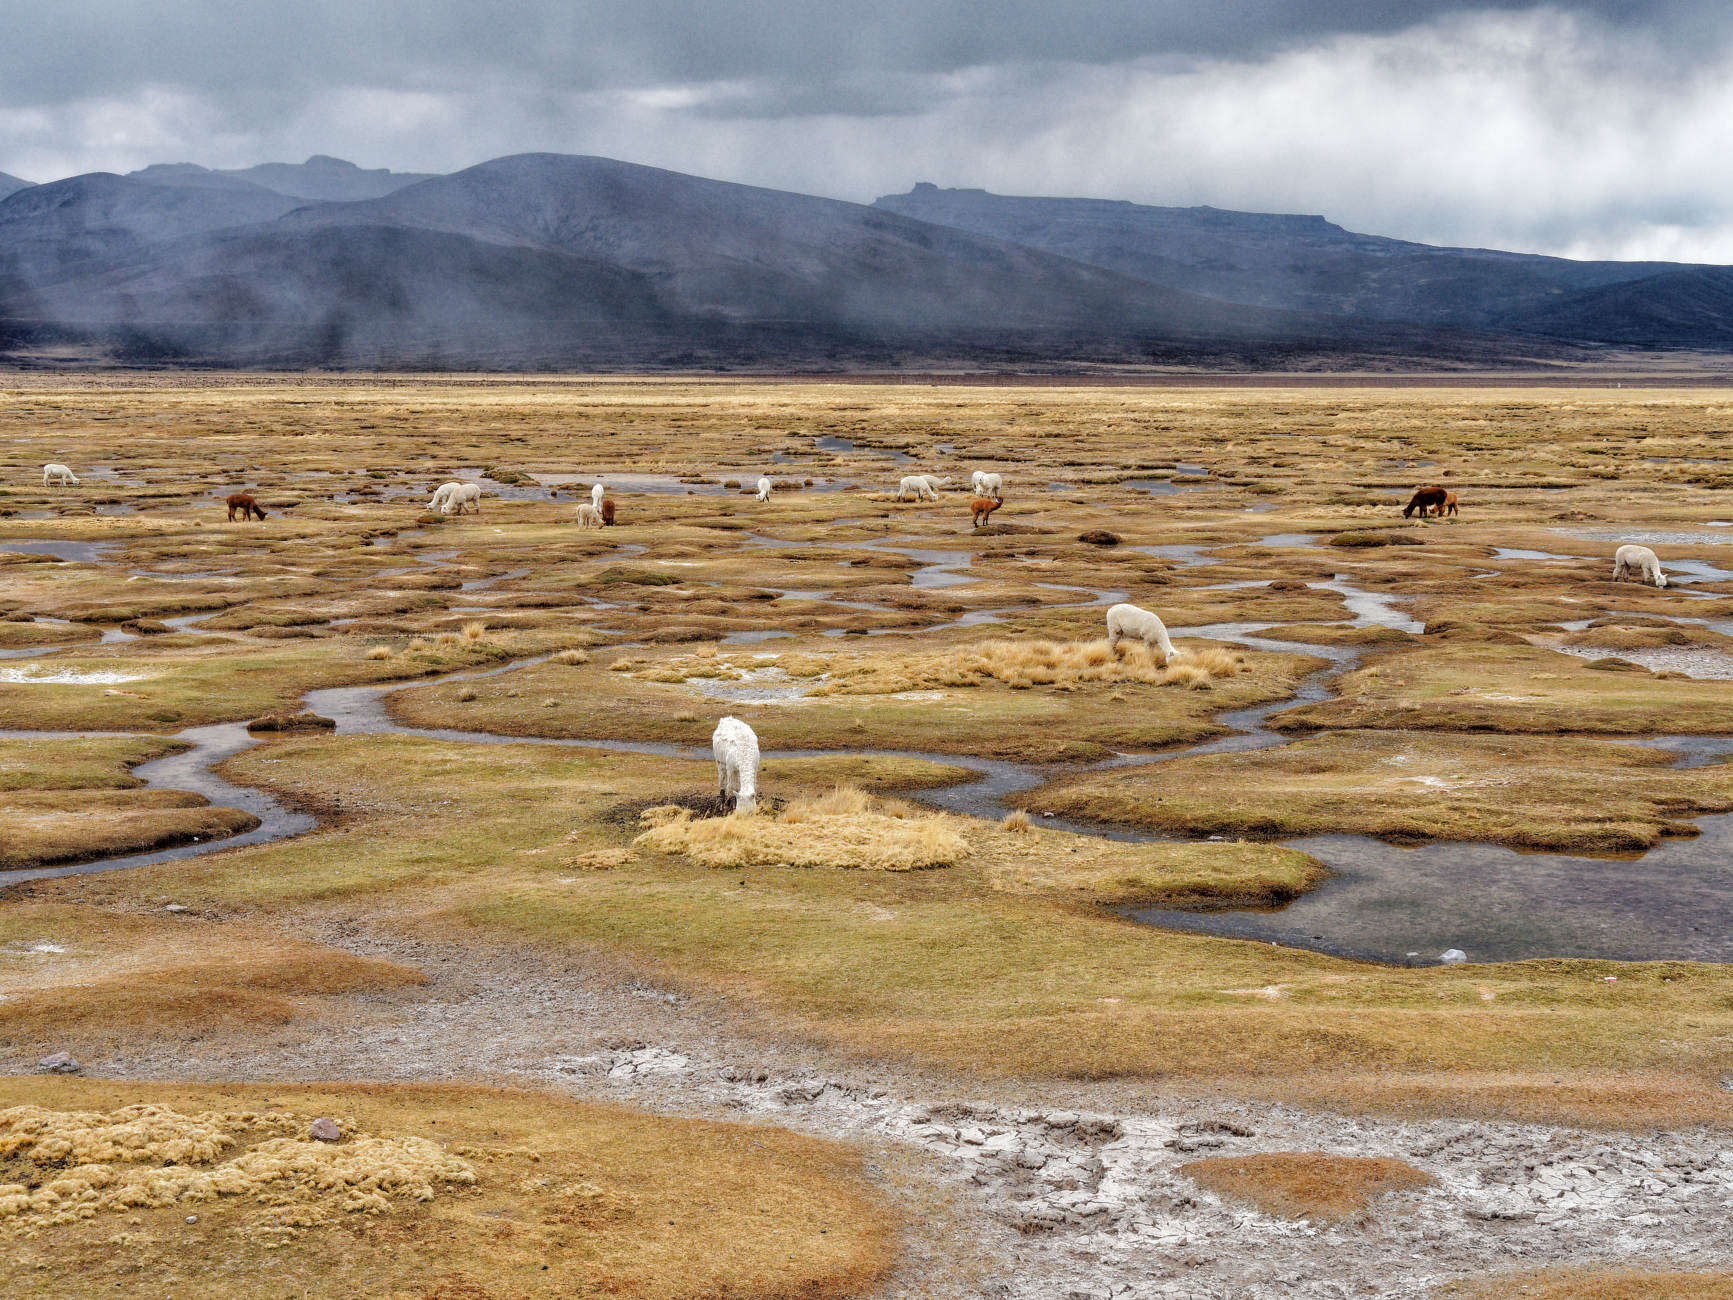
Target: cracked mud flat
(1075, 1196)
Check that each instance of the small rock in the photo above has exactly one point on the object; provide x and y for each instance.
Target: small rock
(59, 1063)
(176, 908)
(1453, 956)
(324, 1130)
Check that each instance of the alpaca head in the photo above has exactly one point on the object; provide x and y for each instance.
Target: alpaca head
(1660, 580)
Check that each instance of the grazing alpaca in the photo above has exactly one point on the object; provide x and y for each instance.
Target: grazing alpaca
(988, 485)
(924, 486)
(1445, 507)
(764, 489)
(442, 494)
(589, 517)
(981, 507)
(736, 748)
(249, 508)
(608, 511)
(463, 494)
(58, 473)
(1640, 560)
(1424, 499)
(1128, 622)
(596, 496)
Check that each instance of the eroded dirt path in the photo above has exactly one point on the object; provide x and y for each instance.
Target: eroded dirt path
(1047, 1192)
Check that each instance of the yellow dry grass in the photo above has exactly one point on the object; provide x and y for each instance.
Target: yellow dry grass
(1306, 1184)
(68, 1165)
(1025, 664)
(90, 980)
(1588, 1283)
(214, 1192)
(846, 828)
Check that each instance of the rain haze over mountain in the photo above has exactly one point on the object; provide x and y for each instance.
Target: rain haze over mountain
(1580, 130)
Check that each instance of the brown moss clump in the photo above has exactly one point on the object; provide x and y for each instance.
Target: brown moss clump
(1306, 1184)
(1366, 538)
(305, 720)
(1592, 1284)
(845, 828)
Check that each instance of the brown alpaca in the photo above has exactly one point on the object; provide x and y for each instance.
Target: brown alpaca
(249, 508)
(1445, 507)
(981, 507)
(1424, 499)
(607, 512)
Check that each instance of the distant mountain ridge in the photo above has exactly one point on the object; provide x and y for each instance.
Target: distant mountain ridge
(1301, 263)
(560, 261)
(321, 177)
(10, 185)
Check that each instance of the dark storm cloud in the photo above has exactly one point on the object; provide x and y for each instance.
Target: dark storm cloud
(1597, 128)
(803, 55)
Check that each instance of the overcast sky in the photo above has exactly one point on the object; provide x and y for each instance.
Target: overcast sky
(1592, 129)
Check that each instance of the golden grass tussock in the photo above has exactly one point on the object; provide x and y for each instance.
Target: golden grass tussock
(474, 630)
(380, 652)
(1589, 1283)
(1025, 664)
(1306, 1184)
(218, 1192)
(845, 828)
(572, 657)
(72, 1165)
(1016, 821)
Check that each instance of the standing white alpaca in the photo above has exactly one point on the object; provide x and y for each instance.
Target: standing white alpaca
(441, 495)
(988, 485)
(764, 489)
(59, 474)
(736, 748)
(1128, 622)
(596, 496)
(589, 517)
(1638, 559)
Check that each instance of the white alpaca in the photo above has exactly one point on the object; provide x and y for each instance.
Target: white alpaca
(589, 517)
(989, 485)
(924, 486)
(1128, 622)
(596, 496)
(1638, 559)
(58, 473)
(736, 748)
(463, 494)
(764, 489)
(441, 495)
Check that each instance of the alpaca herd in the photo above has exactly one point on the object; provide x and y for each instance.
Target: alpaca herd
(735, 744)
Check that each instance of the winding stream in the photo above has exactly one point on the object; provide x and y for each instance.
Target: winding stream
(1383, 902)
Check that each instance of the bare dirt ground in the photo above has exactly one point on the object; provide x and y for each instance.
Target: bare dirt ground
(1060, 1191)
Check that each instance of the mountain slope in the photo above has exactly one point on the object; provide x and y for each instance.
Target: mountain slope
(65, 227)
(1691, 307)
(321, 177)
(750, 254)
(10, 185)
(549, 260)
(1273, 260)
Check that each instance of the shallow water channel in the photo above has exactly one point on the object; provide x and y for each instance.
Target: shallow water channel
(1383, 902)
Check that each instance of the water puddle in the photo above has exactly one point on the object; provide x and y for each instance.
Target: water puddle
(71, 552)
(39, 675)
